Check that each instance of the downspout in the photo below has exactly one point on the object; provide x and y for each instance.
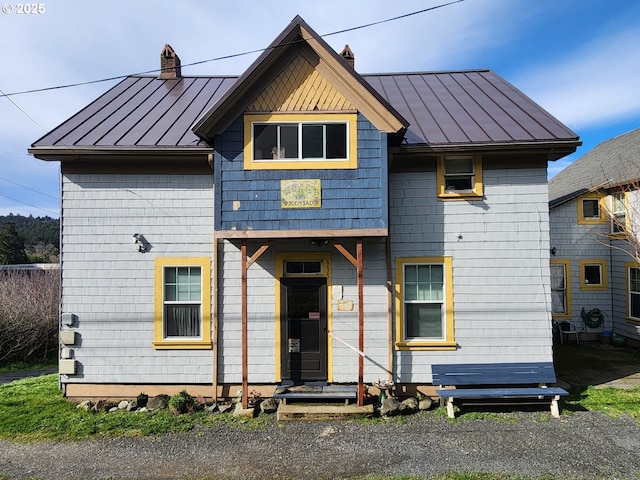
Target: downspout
(214, 306)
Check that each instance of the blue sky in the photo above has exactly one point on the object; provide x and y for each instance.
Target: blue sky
(577, 58)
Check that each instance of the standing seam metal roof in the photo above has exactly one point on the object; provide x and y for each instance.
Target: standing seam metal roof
(443, 108)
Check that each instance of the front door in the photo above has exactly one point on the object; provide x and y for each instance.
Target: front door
(304, 329)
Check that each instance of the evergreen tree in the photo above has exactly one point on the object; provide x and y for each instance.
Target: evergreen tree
(11, 246)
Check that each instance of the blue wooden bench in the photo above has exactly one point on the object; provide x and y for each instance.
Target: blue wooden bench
(497, 380)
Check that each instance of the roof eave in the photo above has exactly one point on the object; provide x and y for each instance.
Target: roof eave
(554, 149)
(65, 153)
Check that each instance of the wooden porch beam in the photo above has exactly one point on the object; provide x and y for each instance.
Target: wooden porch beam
(246, 263)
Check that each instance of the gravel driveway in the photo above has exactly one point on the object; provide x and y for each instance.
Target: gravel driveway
(582, 445)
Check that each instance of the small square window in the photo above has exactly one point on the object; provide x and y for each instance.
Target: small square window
(593, 275)
(459, 177)
(590, 208)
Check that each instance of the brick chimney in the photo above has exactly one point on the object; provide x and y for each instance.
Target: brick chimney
(169, 63)
(348, 55)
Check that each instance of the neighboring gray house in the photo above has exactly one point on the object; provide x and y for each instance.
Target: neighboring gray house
(301, 222)
(594, 230)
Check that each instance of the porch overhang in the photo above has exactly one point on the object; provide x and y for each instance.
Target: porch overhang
(298, 234)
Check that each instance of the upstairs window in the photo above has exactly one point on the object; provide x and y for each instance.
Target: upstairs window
(300, 141)
(459, 177)
(590, 209)
(618, 213)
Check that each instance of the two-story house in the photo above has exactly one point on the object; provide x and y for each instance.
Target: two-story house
(302, 222)
(595, 263)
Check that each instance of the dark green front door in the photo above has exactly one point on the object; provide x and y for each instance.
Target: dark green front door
(304, 329)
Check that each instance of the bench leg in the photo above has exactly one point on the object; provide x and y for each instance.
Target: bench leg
(450, 412)
(555, 408)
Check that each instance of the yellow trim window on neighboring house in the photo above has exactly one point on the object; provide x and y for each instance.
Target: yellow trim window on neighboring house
(618, 213)
(460, 177)
(591, 209)
(561, 288)
(424, 303)
(593, 275)
(300, 141)
(182, 303)
(633, 292)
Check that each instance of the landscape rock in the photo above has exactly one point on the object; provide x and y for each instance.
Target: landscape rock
(86, 405)
(99, 406)
(269, 405)
(411, 403)
(425, 403)
(159, 402)
(392, 407)
(132, 407)
(123, 405)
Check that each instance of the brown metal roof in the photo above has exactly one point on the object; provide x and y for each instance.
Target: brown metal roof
(468, 108)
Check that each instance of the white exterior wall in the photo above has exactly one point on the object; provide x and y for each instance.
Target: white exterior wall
(109, 285)
(501, 285)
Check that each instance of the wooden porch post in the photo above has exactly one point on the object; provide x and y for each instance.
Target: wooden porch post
(359, 268)
(245, 357)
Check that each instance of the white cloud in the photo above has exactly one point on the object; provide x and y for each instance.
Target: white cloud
(597, 84)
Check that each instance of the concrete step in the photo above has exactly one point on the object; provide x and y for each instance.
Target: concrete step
(322, 412)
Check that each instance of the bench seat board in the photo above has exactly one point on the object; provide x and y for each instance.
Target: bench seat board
(495, 380)
(501, 392)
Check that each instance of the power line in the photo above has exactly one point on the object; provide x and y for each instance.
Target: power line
(28, 204)
(29, 188)
(234, 55)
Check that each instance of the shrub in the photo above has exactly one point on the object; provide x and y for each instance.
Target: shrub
(181, 403)
(29, 305)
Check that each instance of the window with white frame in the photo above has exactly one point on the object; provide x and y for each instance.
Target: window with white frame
(593, 274)
(634, 292)
(618, 213)
(424, 301)
(182, 302)
(559, 289)
(300, 140)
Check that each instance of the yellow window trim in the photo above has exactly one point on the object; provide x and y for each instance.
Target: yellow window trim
(352, 140)
(602, 207)
(627, 220)
(449, 342)
(281, 258)
(603, 269)
(159, 342)
(475, 193)
(567, 272)
(631, 320)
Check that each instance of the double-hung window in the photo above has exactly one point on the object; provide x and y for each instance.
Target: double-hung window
(633, 291)
(560, 288)
(182, 303)
(424, 303)
(618, 213)
(287, 141)
(459, 177)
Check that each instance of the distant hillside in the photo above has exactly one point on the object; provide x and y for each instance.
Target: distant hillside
(41, 235)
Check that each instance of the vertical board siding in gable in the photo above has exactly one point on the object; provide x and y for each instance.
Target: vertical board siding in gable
(114, 297)
(501, 283)
(350, 198)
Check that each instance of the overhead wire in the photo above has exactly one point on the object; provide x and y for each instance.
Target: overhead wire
(224, 57)
(233, 55)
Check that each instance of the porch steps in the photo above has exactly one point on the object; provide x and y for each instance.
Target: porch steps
(322, 412)
(317, 402)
